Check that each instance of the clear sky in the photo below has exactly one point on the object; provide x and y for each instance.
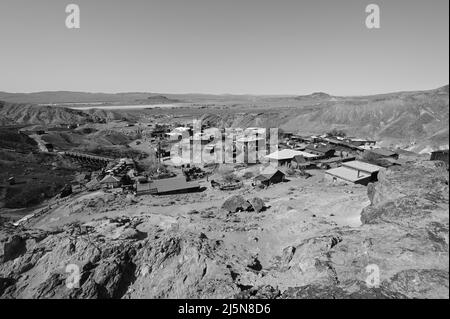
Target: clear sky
(224, 46)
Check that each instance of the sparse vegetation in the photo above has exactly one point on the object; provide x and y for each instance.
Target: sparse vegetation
(248, 175)
(336, 132)
(229, 177)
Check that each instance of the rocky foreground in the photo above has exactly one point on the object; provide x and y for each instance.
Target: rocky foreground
(404, 239)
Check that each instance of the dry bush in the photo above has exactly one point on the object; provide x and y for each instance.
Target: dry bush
(229, 177)
(248, 175)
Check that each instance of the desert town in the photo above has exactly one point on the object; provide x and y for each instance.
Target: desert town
(227, 150)
(270, 204)
(333, 156)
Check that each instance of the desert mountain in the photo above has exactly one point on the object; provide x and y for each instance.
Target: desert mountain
(67, 97)
(24, 113)
(415, 120)
(33, 114)
(419, 119)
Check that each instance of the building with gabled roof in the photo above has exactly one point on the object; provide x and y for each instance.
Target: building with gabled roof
(269, 175)
(110, 181)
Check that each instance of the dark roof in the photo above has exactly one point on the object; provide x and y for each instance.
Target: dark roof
(268, 173)
(173, 184)
(440, 151)
(319, 148)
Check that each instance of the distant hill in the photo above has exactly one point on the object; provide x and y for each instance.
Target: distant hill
(157, 99)
(67, 97)
(315, 95)
(414, 115)
(416, 120)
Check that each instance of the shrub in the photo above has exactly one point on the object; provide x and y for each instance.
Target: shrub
(336, 132)
(248, 175)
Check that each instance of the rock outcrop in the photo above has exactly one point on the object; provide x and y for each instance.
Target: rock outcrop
(158, 265)
(400, 251)
(237, 203)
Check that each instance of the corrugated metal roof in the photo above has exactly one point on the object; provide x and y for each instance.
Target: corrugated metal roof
(347, 174)
(362, 166)
(288, 154)
(173, 184)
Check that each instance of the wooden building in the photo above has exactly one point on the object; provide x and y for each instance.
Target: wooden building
(268, 176)
(110, 181)
(441, 155)
(166, 186)
(320, 150)
(356, 172)
(286, 156)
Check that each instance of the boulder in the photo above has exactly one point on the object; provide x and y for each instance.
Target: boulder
(257, 204)
(12, 247)
(236, 203)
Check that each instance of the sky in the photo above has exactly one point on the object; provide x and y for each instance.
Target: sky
(224, 46)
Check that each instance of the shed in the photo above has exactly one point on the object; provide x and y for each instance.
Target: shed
(348, 175)
(269, 175)
(173, 185)
(355, 172)
(110, 181)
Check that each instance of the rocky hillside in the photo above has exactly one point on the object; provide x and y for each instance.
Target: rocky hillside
(404, 235)
(33, 114)
(418, 120)
(16, 113)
